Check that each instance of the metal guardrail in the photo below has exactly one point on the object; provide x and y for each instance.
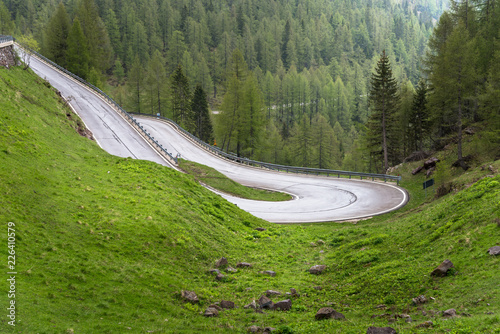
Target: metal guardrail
(288, 169)
(105, 96)
(5, 39)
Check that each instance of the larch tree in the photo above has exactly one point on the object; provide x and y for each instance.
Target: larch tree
(136, 77)
(384, 100)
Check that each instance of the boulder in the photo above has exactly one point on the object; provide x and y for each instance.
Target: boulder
(270, 293)
(317, 269)
(190, 296)
(215, 306)
(211, 312)
(253, 305)
(450, 313)
(417, 170)
(253, 329)
(226, 304)
(265, 302)
(313, 244)
(328, 313)
(243, 265)
(426, 324)
(495, 250)
(293, 291)
(380, 330)
(430, 171)
(442, 269)
(270, 273)
(430, 163)
(220, 277)
(381, 307)
(283, 305)
(231, 270)
(221, 262)
(419, 300)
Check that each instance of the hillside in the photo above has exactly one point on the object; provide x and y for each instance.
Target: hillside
(106, 244)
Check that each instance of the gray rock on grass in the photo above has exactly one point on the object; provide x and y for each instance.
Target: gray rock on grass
(328, 313)
(317, 269)
(190, 296)
(442, 269)
(221, 262)
(283, 305)
(495, 250)
(380, 330)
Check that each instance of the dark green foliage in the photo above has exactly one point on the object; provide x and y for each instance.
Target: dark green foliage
(203, 123)
(419, 118)
(56, 36)
(6, 24)
(136, 84)
(384, 100)
(77, 55)
(180, 99)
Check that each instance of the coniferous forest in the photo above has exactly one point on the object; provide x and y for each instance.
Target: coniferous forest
(356, 85)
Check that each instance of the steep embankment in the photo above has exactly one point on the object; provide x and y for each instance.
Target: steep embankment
(106, 244)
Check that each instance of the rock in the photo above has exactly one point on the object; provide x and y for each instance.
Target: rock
(243, 265)
(419, 300)
(417, 170)
(221, 262)
(430, 163)
(260, 229)
(317, 269)
(426, 324)
(320, 242)
(293, 291)
(220, 277)
(317, 288)
(226, 304)
(270, 273)
(381, 307)
(211, 312)
(430, 171)
(328, 313)
(214, 271)
(450, 313)
(253, 305)
(268, 330)
(231, 270)
(495, 250)
(190, 296)
(312, 244)
(283, 305)
(265, 302)
(270, 293)
(253, 329)
(408, 320)
(442, 269)
(215, 306)
(380, 330)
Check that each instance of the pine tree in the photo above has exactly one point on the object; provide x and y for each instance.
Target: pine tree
(56, 36)
(384, 100)
(77, 55)
(203, 124)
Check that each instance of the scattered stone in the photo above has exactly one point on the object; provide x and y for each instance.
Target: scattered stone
(313, 244)
(190, 296)
(450, 313)
(380, 330)
(215, 306)
(317, 288)
(430, 171)
(260, 229)
(495, 250)
(265, 302)
(270, 273)
(248, 289)
(490, 312)
(417, 170)
(221, 262)
(293, 291)
(320, 242)
(220, 277)
(253, 305)
(253, 329)
(270, 293)
(426, 324)
(328, 313)
(317, 269)
(243, 265)
(385, 315)
(268, 330)
(227, 304)
(283, 305)
(430, 163)
(231, 270)
(214, 271)
(321, 251)
(211, 312)
(442, 269)
(469, 131)
(419, 300)
(381, 307)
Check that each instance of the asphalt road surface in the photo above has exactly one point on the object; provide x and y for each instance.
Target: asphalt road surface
(316, 198)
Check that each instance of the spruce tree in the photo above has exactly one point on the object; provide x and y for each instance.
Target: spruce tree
(180, 99)
(136, 83)
(384, 100)
(6, 24)
(419, 122)
(77, 55)
(56, 36)
(199, 106)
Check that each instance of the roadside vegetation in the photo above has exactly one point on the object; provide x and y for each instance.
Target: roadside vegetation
(107, 244)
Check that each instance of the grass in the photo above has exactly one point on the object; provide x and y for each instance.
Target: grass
(219, 181)
(106, 244)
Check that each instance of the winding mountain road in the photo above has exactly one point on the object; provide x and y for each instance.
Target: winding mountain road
(316, 198)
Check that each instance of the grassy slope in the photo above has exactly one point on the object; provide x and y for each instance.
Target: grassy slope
(105, 244)
(220, 182)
